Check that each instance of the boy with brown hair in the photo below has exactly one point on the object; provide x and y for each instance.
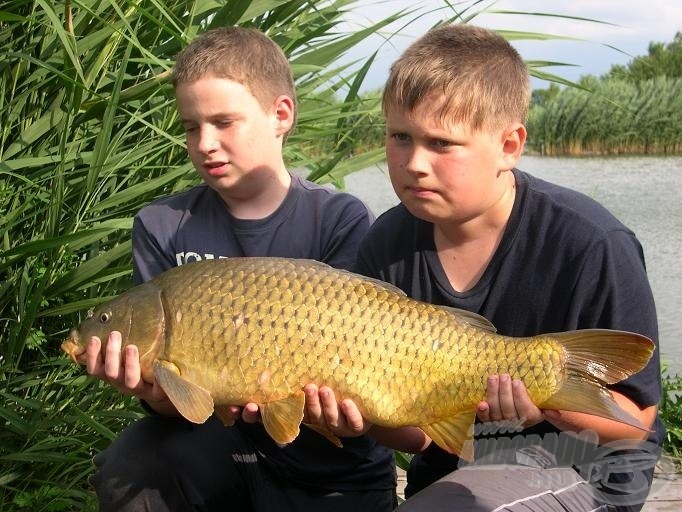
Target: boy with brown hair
(236, 99)
(474, 232)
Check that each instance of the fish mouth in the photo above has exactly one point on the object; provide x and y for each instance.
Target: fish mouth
(75, 351)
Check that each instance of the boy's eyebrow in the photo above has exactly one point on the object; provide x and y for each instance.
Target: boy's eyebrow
(213, 117)
(431, 132)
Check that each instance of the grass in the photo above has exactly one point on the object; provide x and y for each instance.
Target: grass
(670, 410)
(56, 419)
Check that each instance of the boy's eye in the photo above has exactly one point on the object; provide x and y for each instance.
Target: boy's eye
(400, 137)
(441, 143)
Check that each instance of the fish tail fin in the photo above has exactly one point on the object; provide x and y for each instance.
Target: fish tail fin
(581, 395)
(606, 355)
(596, 357)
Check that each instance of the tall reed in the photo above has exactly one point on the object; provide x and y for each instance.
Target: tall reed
(612, 117)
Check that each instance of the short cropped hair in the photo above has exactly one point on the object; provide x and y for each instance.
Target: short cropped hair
(483, 79)
(244, 55)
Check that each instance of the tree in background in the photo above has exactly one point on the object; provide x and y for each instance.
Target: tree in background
(662, 60)
(541, 97)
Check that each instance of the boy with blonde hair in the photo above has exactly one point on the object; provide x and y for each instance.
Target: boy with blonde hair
(474, 232)
(236, 100)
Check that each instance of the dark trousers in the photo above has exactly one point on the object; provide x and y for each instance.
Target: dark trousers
(529, 479)
(163, 464)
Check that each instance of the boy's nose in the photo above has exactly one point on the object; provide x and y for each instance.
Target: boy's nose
(208, 141)
(417, 161)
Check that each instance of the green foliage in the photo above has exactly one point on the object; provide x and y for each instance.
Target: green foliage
(671, 413)
(610, 117)
(662, 60)
(634, 109)
(360, 132)
(402, 460)
(542, 97)
(55, 420)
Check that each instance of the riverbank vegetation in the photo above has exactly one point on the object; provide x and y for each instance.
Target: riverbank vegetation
(671, 413)
(634, 109)
(89, 135)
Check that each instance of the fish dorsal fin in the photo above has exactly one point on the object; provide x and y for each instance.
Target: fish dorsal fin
(282, 418)
(381, 284)
(453, 434)
(326, 434)
(376, 282)
(473, 319)
(193, 402)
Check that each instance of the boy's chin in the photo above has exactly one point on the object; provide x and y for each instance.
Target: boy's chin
(421, 211)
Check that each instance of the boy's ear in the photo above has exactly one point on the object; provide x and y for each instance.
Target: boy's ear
(513, 140)
(284, 110)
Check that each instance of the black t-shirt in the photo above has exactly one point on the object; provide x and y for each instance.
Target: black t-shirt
(564, 263)
(312, 222)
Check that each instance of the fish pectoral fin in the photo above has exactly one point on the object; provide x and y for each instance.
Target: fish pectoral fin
(193, 402)
(454, 434)
(332, 438)
(282, 418)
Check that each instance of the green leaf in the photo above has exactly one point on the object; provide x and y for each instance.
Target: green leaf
(88, 270)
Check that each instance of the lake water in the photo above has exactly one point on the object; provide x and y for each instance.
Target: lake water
(643, 192)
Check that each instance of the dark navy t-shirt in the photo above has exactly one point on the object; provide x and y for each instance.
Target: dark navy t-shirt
(564, 263)
(312, 222)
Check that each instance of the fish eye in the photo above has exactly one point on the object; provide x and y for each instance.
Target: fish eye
(104, 317)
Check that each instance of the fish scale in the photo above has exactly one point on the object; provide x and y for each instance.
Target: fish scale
(231, 331)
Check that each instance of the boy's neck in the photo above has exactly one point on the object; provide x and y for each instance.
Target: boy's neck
(465, 249)
(260, 198)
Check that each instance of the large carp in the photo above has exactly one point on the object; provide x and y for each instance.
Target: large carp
(240, 330)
